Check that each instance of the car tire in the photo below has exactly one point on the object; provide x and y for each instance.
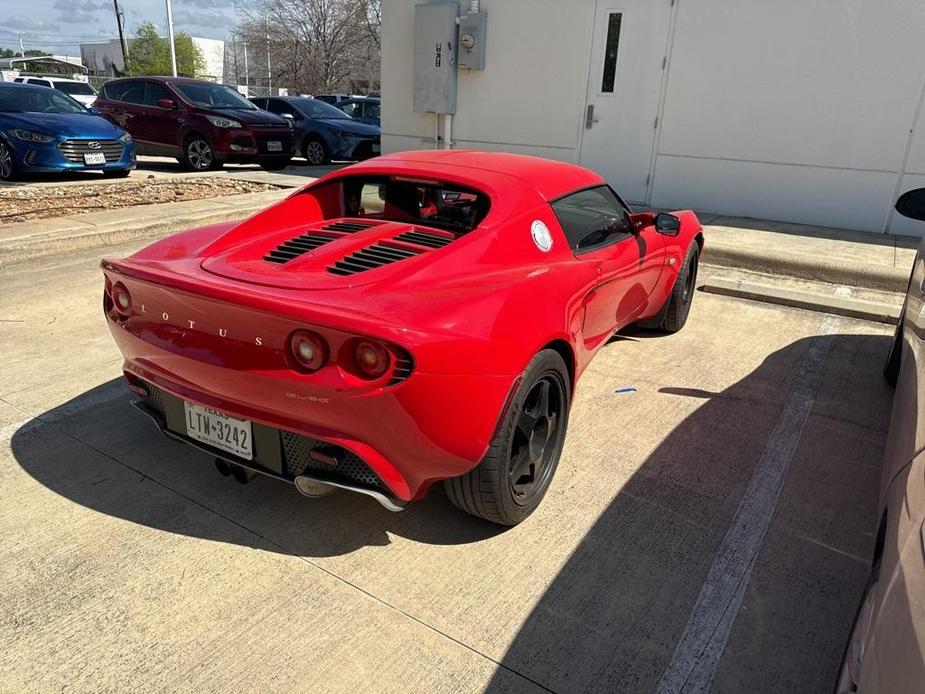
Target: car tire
(117, 173)
(198, 154)
(513, 477)
(7, 163)
(673, 315)
(315, 151)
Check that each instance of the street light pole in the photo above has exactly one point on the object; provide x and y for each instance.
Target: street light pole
(173, 50)
(269, 73)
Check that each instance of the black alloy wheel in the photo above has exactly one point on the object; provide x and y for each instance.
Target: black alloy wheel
(536, 442)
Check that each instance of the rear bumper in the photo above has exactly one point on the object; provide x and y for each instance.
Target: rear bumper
(276, 462)
(426, 428)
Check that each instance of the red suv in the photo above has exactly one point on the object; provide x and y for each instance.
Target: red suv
(202, 124)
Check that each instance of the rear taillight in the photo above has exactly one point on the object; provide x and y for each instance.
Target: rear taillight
(307, 350)
(371, 358)
(121, 299)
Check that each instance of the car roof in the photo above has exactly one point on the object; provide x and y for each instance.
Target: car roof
(21, 85)
(551, 179)
(166, 78)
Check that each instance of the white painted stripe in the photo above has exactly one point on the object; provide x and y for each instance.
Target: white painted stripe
(698, 651)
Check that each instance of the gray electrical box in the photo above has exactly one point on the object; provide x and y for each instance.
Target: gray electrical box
(472, 29)
(435, 57)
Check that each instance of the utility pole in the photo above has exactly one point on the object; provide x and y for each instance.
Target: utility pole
(269, 74)
(173, 50)
(120, 18)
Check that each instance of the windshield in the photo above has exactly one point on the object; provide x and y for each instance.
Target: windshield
(312, 108)
(38, 100)
(75, 88)
(212, 96)
(427, 203)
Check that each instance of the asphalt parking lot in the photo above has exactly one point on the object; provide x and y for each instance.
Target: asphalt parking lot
(708, 528)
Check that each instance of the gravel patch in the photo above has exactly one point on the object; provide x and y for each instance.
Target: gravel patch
(24, 204)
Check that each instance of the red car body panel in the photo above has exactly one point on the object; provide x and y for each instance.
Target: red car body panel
(210, 318)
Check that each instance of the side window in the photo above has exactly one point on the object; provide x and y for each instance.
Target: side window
(593, 218)
(278, 107)
(351, 109)
(259, 103)
(154, 93)
(372, 110)
(41, 83)
(131, 92)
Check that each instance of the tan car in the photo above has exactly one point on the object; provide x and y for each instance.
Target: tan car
(886, 652)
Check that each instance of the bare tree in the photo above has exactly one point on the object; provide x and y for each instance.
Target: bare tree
(314, 45)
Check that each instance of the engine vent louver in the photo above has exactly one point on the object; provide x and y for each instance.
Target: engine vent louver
(371, 257)
(349, 227)
(293, 248)
(424, 239)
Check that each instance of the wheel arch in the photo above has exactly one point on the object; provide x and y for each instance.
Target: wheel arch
(568, 356)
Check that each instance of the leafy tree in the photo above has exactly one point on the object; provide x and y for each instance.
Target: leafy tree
(149, 54)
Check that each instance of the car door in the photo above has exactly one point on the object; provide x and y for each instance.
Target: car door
(162, 124)
(124, 106)
(627, 258)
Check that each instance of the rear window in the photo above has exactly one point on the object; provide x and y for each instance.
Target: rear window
(75, 88)
(428, 203)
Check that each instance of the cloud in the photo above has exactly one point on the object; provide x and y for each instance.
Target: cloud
(213, 20)
(208, 4)
(69, 8)
(26, 24)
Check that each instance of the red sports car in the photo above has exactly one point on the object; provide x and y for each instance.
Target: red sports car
(417, 317)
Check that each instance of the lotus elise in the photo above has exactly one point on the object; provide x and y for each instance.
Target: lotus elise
(415, 318)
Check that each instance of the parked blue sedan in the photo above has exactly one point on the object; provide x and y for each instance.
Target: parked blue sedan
(43, 130)
(322, 132)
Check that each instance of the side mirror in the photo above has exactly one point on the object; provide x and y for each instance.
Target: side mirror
(94, 110)
(667, 224)
(911, 204)
(287, 116)
(166, 103)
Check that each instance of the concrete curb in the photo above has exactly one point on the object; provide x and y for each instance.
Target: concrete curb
(40, 238)
(841, 306)
(807, 268)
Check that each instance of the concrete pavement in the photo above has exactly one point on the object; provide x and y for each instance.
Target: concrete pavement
(128, 563)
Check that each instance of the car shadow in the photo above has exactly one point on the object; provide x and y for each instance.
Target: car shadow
(611, 617)
(99, 452)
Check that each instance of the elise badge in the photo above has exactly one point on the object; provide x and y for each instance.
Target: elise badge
(541, 236)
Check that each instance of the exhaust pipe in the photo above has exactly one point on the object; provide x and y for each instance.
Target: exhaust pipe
(242, 474)
(312, 488)
(223, 467)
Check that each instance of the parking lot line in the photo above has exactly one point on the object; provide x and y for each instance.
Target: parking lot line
(693, 663)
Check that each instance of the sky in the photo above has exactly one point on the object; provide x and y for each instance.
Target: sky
(60, 26)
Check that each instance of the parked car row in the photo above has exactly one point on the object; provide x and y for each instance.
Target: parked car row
(202, 124)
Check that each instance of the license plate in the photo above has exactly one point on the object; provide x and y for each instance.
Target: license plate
(94, 158)
(274, 146)
(219, 430)
(377, 147)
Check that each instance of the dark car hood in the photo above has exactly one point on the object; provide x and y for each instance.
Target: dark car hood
(348, 125)
(62, 124)
(248, 116)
